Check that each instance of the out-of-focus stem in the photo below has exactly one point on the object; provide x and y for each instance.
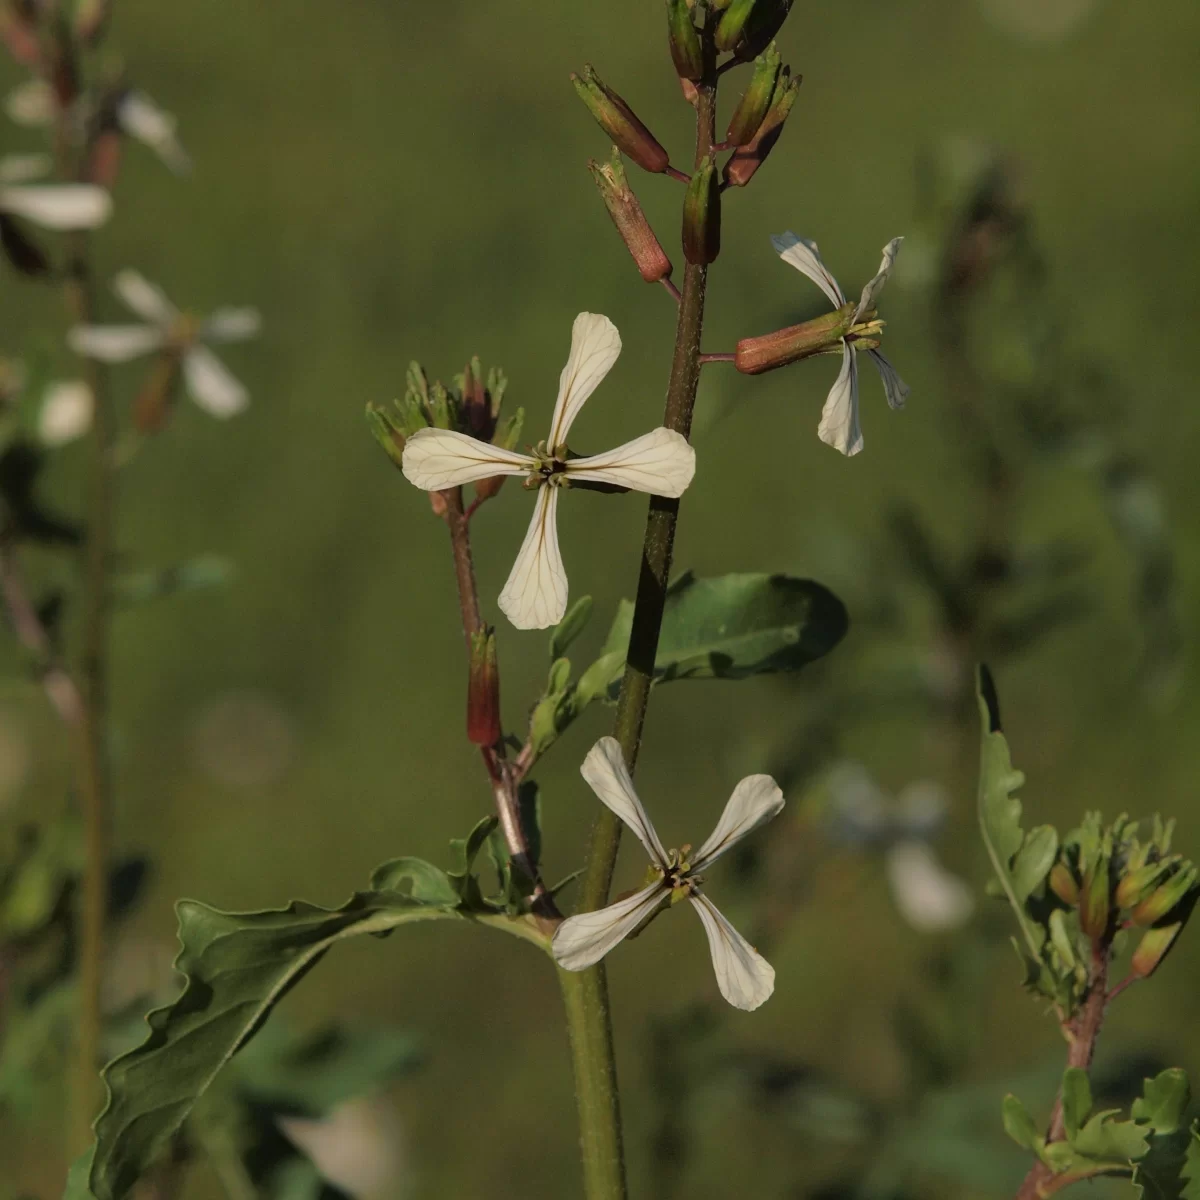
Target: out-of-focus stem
(585, 994)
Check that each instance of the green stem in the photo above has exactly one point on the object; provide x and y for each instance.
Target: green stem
(589, 1022)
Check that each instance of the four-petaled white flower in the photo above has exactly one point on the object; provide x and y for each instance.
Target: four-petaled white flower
(839, 418)
(661, 463)
(51, 205)
(745, 978)
(208, 381)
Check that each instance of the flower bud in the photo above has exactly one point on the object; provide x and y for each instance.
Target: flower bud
(483, 690)
(477, 407)
(153, 402)
(1063, 883)
(745, 160)
(702, 215)
(756, 99)
(686, 51)
(765, 22)
(91, 18)
(1095, 901)
(104, 159)
(1178, 889)
(1137, 884)
(733, 22)
(386, 432)
(620, 122)
(18, 30)
(437, 502)
(629, 219)
(1152, 949)
(753, 356)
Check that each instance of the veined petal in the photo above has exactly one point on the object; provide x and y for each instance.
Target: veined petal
(146, 299)
(896, 390)
(928, 896)
(21, 168)
(58, 205)
(870, 293)
(114, 343)
(210, 384)
(660, 462)
(535, 596)
(595, 345)
(442, 458)
(231, 325)
(584, 939)
(608, 776)
(806, 258)
(754, 802)
(839, 426)
(745, 978)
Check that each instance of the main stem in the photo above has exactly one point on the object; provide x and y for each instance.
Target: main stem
(96, 790)
(585, 993)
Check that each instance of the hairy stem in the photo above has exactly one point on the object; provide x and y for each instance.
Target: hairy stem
(586, 994)
(1082, 1033)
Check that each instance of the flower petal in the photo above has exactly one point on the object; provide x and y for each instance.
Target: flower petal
(928, 896)
(608, 776)
(595, 345)
(839, 426)
(754, 802)
(232, 325)
(660, 462)
(32, 104)
(210, 384)
(896, 390)
(21, 168)
(58, 205)
(66, 412)
(442, 458)
(535, 595)
(584, 939)
(745, 978)
(806, 258)
(870, 293)
(114, 343)
(141, 118)
(137, 293)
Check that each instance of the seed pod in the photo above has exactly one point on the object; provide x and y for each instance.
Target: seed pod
(620, 122)
(753, 356)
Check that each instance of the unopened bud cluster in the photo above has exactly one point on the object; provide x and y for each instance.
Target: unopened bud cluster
(472, 406)
(1116, 880)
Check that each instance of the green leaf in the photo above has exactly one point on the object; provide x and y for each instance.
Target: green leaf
(1000, 810)
(1076, 1100)
(1171, 1171)
(570, 627)
(1034, 860)
(416, 878)
(236, 968)
(1018, 1124)
(206, 571)
(735, 626)
(1105, 1140)
(1163, 1101)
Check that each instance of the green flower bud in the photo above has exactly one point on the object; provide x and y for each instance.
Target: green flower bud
(745, 160)
(442, 409)
(702, 215)
(386, 432)
(652, 261)
(1095, 905)
(753, 356)
(1064, 884)
(1177, 890)
(1153, 948)
(686, 50)
(765, 22)
(1137, 884)
(620, 122)
(733, 22)
(483, 690)
(756, 99)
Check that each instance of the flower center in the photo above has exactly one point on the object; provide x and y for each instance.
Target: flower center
(550, 466)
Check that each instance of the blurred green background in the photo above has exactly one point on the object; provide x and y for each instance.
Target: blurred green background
(389, 181)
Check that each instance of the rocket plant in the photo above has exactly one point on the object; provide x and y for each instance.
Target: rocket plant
(1074, 898)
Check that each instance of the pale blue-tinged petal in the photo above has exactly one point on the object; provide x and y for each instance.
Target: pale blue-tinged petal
(839, 426)
(802, 254)
(896, 390)
(870, 293)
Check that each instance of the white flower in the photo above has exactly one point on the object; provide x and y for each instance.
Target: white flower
(51, 205)
(141, 118)
(928, 896)
(66, 412)
(661, 463)
(208, 382)
(839, 418)
(745, 978)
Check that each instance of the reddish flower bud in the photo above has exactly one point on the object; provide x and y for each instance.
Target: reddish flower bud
(745, 160)
(1153, 948)
(1095, 901)
(702, 215)
(18, 29)
(104, 159)
(153, 403)
(753, 356)
(620, 122)
(1063, 884)
(485, 489)
(437, 502)
(1178, 890)
(629, 219)
(483, 691)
